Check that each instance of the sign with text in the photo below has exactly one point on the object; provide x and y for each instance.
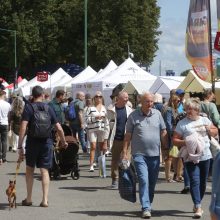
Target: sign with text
(42, 76)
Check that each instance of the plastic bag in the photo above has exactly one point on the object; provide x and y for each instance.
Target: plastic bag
(174, 151)
(102, 166)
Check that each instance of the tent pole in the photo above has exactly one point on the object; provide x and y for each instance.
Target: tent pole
(210, 48)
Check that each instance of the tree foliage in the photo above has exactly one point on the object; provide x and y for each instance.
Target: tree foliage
(52, 31)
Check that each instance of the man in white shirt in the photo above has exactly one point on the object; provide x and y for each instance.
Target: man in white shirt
(5, 108)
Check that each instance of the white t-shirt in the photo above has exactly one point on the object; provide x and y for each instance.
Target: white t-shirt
(5, 108)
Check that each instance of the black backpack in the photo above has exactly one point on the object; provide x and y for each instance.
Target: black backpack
(40, 123)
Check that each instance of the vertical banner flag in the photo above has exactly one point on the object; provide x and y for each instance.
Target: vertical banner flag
(198, 39)
(217, 38)
(218, 14)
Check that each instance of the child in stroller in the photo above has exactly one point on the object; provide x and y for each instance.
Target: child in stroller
(65, 161)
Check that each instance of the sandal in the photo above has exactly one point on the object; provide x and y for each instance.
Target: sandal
(26, 203)
(44, 205)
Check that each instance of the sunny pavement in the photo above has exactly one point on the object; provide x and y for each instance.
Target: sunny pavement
(90, 197)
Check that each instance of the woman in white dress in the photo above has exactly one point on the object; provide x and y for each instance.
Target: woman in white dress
(97, 127)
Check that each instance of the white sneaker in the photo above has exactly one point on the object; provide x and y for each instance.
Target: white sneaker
(146, 214)
(91, 169)
(198, 212)
(94, 165)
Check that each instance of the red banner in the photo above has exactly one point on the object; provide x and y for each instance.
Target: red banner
(42, 76)
(217, 41)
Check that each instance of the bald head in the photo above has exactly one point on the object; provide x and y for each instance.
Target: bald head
(80, 95)
(147, 101)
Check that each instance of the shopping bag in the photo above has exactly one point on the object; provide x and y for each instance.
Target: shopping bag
(214, 147)
(127, 183)
(102, 166)
(174, 151)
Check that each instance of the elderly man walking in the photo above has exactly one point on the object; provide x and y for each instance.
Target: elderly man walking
(146, 131)
(117, 116)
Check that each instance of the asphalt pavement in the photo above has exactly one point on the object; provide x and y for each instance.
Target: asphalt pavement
(90, 197)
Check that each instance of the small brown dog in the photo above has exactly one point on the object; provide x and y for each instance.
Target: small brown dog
(11, 193)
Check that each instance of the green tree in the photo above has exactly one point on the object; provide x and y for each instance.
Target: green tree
(52, 31)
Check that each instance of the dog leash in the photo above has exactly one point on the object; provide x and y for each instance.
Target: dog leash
(17, 169)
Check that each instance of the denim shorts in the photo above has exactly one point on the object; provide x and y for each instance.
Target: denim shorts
(39, 153)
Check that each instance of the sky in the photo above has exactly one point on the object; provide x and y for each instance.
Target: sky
(173, 21)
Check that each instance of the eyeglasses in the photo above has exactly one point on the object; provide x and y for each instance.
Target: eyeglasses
(98, 96)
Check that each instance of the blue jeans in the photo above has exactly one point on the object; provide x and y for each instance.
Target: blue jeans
(81, 136)
(147, 169)
(186, 176)
(198, 174)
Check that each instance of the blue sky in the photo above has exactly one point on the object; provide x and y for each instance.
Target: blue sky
(171, 52)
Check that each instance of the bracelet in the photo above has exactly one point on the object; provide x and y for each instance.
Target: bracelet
(20, 148)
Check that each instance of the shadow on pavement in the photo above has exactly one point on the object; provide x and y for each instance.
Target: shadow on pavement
(80, 188)
(166, 192)
(177, 213)
(109, 213)
(4, 206)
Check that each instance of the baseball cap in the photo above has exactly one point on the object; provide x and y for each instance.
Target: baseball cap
(180, 92)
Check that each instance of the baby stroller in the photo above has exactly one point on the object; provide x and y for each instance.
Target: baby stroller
(65, 161)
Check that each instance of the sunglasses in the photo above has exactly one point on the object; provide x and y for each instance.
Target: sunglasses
(98, 96)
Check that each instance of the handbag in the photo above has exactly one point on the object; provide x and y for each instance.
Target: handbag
(127, 183)
(214, 147)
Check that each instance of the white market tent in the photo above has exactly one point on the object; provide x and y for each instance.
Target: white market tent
(102, 73)
(163, 85)
(58, 75)
(83, 76)
(138, 86)
(192, 83)
(128, 70)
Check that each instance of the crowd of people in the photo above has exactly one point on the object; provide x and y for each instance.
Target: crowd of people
(175, 133)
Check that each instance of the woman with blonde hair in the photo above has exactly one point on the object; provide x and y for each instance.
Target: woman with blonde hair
(202, 127)
(97, 127)
(17, 108)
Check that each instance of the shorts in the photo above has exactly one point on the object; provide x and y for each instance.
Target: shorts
(39, 153)
(96, 136)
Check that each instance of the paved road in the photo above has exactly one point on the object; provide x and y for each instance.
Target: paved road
(91, 198)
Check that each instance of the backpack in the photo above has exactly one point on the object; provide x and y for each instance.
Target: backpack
(70, 113)
(40, 123)
(16, 123)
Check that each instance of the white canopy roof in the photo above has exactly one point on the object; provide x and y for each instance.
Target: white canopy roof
(127, 71)
(58, 75)
(192, 83)
(138, 85)
(164, 84)
(102, 73)
(83, 76)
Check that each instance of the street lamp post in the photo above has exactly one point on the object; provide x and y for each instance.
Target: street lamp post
(15, 51)
(85, 32)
